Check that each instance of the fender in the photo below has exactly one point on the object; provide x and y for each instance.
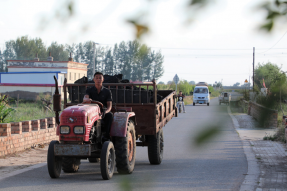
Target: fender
(120, 123)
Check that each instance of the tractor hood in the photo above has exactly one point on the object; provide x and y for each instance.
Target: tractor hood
(80, 114)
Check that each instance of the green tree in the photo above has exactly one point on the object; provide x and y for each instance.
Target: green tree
(71, 49)
(271, 73)
(24, 48)
(79, 54)
(108, 62)
(185, 87)
(58, 52)
(2, 62)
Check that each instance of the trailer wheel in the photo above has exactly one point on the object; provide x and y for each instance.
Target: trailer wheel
(70, 165)
(126, 150)
(107, 160)
(155, 148)
(94, 160)
(53, 162)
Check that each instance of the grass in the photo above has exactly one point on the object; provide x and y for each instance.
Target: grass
(278, 136)
(188, 100)
(28, 111)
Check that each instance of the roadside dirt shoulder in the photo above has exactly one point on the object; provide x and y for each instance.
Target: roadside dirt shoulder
(23, 159)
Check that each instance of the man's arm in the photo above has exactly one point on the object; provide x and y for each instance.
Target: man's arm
(109, 106)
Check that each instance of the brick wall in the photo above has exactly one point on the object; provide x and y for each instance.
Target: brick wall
(21, 135)
(262, 114)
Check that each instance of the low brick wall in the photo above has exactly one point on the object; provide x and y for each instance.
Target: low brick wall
(263, 114)
(19, 136)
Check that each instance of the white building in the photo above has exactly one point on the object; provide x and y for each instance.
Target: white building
(29, 78)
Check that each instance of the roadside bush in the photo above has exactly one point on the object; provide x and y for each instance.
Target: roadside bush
(5, 109)
(278, 136)
(215, 93)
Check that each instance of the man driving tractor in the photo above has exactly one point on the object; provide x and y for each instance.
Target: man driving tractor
(103, 95)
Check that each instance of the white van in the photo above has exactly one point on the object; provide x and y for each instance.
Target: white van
(201, 95)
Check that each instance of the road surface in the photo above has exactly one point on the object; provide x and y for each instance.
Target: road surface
(218, 165)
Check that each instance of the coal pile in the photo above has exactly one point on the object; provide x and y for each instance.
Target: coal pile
(120, 95)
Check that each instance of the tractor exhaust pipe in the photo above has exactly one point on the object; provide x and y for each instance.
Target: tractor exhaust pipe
(57, 101)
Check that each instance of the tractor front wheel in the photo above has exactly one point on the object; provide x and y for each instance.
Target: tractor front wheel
(155, 147)
(70, 165)
(53, 162)
(126, 150)
(107, 160)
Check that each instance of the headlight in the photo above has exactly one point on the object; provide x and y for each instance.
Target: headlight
(79, 130)
(65, 129)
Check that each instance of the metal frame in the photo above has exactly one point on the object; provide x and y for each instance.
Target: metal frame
(150, 116)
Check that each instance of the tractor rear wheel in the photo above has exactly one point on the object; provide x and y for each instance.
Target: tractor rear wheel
(193, 104)
(207, 104)
(94, 160)
(107, 160)
(70, 165)
(53, 162)
(155, 148)
(126, 150)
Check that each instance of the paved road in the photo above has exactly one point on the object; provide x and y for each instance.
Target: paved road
(219, 165)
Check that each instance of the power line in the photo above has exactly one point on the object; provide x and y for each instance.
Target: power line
(274, 44)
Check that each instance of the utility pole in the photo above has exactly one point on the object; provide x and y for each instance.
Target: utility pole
(94, 60)
(253, 66)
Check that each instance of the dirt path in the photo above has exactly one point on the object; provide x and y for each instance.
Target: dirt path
(23, 159)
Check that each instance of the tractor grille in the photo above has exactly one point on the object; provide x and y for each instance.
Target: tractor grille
(76, 119)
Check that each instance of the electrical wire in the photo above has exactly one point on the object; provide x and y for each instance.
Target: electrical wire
(275, 43)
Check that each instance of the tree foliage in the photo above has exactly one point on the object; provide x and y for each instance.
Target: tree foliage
(58, 52)
(271, 73)
(134, 60)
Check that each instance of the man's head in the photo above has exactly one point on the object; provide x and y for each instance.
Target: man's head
(180, 92)
(98, 78)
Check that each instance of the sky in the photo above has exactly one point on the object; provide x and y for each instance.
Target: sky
(217, 45)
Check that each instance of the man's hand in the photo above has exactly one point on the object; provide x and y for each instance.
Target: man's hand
(87, 99)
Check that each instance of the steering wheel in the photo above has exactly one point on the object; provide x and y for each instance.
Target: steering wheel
(99, 103)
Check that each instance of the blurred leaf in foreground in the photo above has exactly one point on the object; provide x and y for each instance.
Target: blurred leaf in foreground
(140, 29)
(125, 184)
(206, 134)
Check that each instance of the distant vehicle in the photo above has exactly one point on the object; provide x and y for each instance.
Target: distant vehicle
(201, 84)
(201, 94)
(224, 97)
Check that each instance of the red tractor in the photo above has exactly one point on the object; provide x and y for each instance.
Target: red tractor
(80, 131)
(80, 128)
